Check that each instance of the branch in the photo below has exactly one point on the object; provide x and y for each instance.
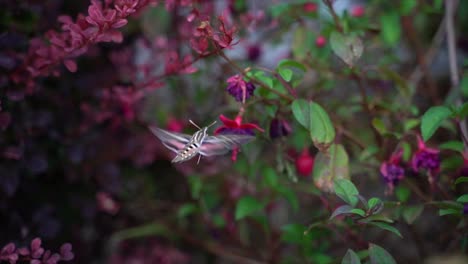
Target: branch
(450, 6)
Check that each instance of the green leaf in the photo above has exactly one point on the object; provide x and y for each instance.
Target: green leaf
(432, 119)
(411, 213)
(463, 199)
(331, 166)
(461, 180)
(247, 206)
(186, 210)
(302, 40)
(294, 233)
(443, 212)
(410, 124)
(346, 190)
(378, 255)
(368, 152)
(358, 211)
(387, 227)
(292, 64)
(390, 28)
(407, 6)
(406, 151)
(349, 48)
(344, 209)
(464, 85)
(454, 145)
(286, 74)
(462, 111)
(374, 201)
(379, 125)
(351, 258)
(402, 193)
(447, 205)
(271, 178)
(301, 112)
(451, 163)
(322, 131)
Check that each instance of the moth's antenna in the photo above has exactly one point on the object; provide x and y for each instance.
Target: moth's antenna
(199, 157)
(214, 122)
(193, 123)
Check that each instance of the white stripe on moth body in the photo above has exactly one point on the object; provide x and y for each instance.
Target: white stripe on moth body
(186, 147)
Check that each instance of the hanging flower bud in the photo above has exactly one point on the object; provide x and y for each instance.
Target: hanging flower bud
(358, 11)
(320, 41)
(240, 89)
(279, 128)
(310, 7)
(304, 163)
(391, 170)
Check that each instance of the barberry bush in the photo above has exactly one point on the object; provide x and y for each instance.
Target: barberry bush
(356, 109)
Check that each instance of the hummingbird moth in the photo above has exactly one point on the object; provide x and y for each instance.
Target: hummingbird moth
(188, 146)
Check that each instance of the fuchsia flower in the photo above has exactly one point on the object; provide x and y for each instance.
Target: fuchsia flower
(391, 170)
(240, 89)
(236, 127)
(426, 158)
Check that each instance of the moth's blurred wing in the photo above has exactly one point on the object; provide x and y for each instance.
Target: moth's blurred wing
(172, 140)
(222, 144)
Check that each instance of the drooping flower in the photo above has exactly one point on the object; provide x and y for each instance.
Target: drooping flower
(465, 209)
(279, 128)
(391, 170)
(236, 127)
(240, 89)
(304, 163)
(426, 158)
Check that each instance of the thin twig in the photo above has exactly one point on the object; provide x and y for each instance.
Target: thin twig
(329, 4)
(436, 42)
(450, 7)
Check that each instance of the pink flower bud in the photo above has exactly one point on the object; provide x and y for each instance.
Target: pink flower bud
(320, 41)
(310, 7)
(304, 163)
(358, 11)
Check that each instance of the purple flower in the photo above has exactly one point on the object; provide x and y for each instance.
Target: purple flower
(465, 209)
(426, 158)
(279, 128)
(391, 170)
(240, 89)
